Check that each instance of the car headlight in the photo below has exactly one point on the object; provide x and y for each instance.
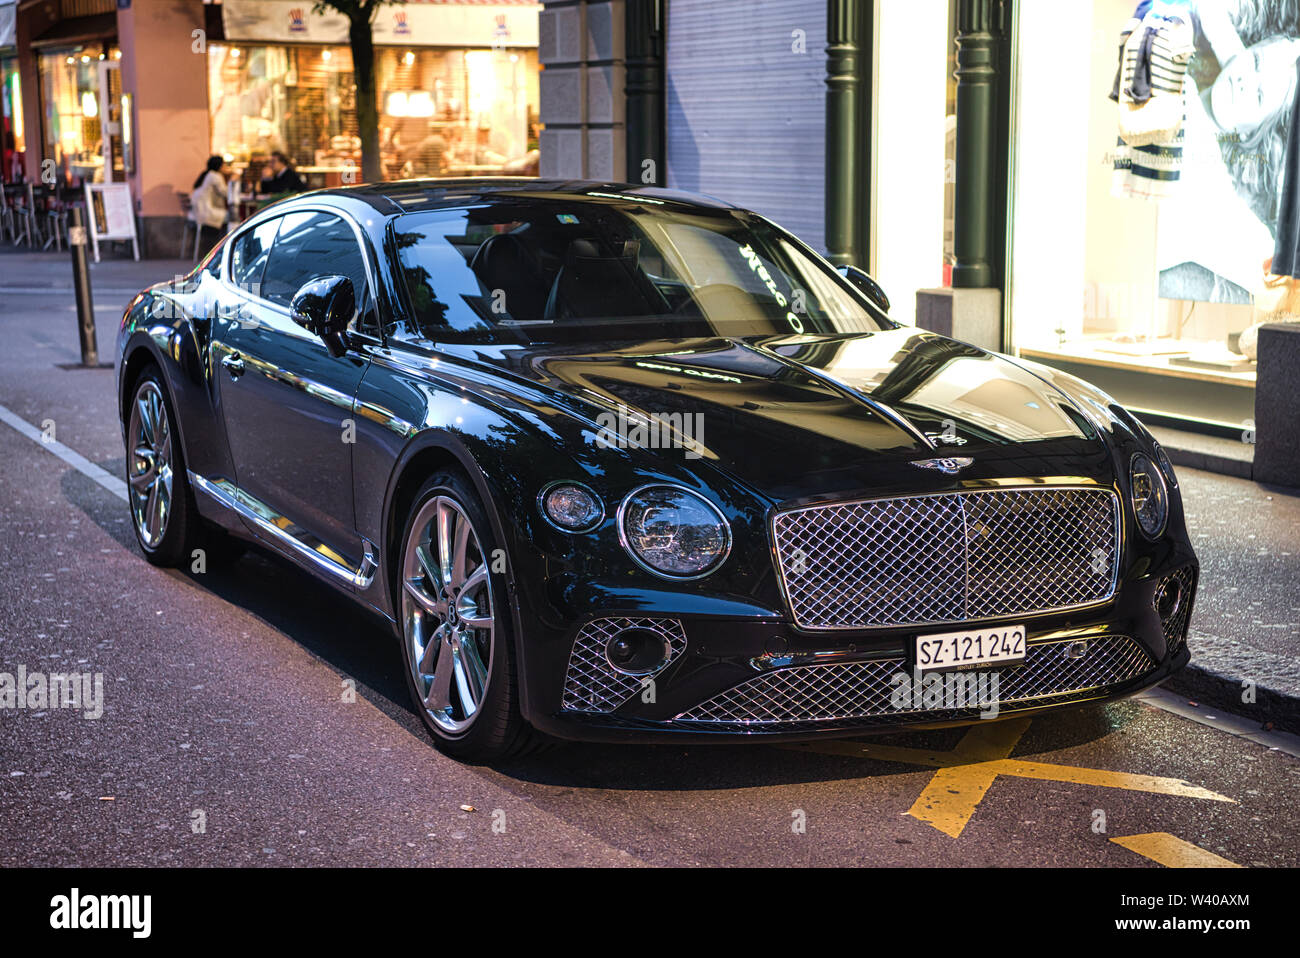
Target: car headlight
(1149, 496)
(571, 507)
(673, 532)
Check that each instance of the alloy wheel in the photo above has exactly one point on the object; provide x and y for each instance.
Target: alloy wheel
(151, 464)
(448, 614)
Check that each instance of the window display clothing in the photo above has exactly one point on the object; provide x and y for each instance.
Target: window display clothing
(1286, 252)
(1155, 50)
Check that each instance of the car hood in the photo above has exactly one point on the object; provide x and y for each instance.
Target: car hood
(803, 417)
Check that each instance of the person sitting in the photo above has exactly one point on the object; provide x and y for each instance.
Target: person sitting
(280, 176)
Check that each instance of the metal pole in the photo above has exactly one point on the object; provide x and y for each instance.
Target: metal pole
(643, 44)
(976, 73)
(81, 283)
(843, 168)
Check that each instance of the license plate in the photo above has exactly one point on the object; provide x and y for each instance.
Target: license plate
(1004, 645)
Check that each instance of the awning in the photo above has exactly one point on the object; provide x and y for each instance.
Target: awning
(75, 30)
(490, 23)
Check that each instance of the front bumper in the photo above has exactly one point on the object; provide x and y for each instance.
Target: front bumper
(733, 678)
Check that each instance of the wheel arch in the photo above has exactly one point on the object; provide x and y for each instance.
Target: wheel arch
(142, 350)
(423, 456)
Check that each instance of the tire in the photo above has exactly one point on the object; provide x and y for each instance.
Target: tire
(163, 514)
(451, 661)
(187, 530)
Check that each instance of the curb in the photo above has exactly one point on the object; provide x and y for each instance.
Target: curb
(1210, 462)
(96, 292)
(1221, 691)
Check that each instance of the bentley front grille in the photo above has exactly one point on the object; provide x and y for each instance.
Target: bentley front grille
(591, 684)
(952, 557)
(803, 696)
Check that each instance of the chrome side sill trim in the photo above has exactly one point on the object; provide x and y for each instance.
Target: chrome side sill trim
(230, 496)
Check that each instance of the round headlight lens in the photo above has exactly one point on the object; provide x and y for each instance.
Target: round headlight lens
(673, 531)
(1149, 495)
(571, 507)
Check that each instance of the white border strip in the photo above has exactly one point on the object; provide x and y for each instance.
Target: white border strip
(1217, 718)
(74, 459)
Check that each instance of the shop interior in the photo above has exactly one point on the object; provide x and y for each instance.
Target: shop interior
(442, 112)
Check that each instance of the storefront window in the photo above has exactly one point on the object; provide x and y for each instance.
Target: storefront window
(1143, 262)
(913, 150)
(441, 112)
(12, 128)
(71, 101)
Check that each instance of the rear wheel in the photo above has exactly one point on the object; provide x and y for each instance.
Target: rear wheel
(457, 641)
(166, 521)
(163, 514)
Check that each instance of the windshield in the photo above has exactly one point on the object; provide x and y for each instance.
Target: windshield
(555, 269)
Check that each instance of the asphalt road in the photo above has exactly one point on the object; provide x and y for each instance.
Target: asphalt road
(228, 735)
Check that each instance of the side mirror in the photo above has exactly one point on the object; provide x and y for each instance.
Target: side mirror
(325, 307)
(862, 280)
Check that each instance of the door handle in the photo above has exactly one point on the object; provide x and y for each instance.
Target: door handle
(234, 364)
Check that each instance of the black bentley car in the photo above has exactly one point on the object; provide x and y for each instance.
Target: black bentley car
(621, 463)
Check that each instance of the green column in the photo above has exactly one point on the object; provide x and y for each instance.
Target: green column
(976, 73)
(643, 26)
(845, 165)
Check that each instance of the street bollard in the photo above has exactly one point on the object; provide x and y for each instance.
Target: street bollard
(81, 281)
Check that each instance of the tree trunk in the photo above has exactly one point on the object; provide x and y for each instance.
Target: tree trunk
(363, 70)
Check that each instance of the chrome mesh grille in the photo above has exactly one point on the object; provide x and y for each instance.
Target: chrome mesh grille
(591, 684)
(953, 557)
(1175, 627)
(860, 690)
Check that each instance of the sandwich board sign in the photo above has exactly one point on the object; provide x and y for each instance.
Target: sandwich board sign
(111, 215)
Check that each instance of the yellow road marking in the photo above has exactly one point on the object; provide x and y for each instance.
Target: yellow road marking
(952, 796)
(1106, 779)
(1172, 852)
(964, 775)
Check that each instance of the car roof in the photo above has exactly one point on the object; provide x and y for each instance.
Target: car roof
(406, 196)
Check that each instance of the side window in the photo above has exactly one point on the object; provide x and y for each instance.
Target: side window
(308, 246)
(248, 256)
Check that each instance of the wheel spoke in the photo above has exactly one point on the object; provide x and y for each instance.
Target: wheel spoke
(432, 651)
(425, 602)
(164, 498)
(446, 529)
(474, 580)
(478, 621)
(458, 552)
(476, 670)
(146, 422)
(465, 686)
(439, 697)
(159, 520)
(427, 564)
(151, 515)
(157, 420)
(142, 481)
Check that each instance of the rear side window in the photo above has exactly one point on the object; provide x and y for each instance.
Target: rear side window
(308, 246)
(248, 256)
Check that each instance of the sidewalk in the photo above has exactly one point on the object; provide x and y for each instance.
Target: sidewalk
(114, 276)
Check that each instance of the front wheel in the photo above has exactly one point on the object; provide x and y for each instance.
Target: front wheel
(457, 641)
